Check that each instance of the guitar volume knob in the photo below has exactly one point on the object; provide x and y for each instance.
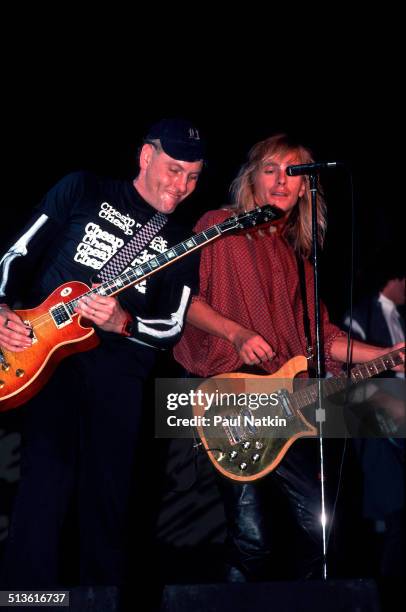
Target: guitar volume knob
(256, 457)
(5, 367)
(232, 454)
(2, 383)
(243, 466)
(20, 373)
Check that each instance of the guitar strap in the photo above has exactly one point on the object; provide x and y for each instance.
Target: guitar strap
(306, 320)
(117, 264)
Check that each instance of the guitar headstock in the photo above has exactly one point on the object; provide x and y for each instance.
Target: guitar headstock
(248, 220)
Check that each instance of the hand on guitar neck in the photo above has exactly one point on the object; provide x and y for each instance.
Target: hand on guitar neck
(399, 345)
(361, 352)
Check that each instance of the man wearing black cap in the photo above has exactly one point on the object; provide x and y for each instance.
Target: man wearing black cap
(81, 431)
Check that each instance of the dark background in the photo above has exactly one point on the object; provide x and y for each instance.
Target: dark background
(75, 116)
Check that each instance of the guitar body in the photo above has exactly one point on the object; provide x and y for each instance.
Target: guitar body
(24, 373)
(244, 448)
(245, 455)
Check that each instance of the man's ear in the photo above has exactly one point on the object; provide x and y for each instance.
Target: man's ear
(302, 188)
(146, 154)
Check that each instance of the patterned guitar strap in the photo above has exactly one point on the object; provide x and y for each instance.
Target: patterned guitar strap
(123, 258)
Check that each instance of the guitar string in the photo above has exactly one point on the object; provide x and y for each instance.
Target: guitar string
(48, 315)
(35, 323)
(220, 227)
(393, 357)
(396, 360)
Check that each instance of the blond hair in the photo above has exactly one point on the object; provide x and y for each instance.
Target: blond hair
(298, 227)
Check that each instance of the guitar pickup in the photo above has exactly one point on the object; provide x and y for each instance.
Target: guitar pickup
(233, 430)
(60, 315)
(284, 402)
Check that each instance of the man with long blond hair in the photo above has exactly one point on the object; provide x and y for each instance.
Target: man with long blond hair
(250, 316)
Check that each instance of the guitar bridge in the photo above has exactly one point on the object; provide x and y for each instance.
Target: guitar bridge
(237, 427)
(2, 358)
(32, 334)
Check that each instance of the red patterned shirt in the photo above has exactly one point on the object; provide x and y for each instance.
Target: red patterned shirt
(254, 282)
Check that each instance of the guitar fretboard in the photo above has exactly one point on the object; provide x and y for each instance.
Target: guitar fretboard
(138, 273)
(306, 397)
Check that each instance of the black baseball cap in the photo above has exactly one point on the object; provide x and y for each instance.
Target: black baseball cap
(179, 138)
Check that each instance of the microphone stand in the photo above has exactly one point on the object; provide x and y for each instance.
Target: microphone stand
(320, 413)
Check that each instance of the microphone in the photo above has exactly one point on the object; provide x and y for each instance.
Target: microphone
(299, 169)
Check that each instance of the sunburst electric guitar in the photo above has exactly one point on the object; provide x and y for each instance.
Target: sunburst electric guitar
(57, 330)
(240, 447)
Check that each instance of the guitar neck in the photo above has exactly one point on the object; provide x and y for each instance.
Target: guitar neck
(138, 273)
(364, 371)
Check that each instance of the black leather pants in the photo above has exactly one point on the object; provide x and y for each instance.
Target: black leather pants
(273, 525)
